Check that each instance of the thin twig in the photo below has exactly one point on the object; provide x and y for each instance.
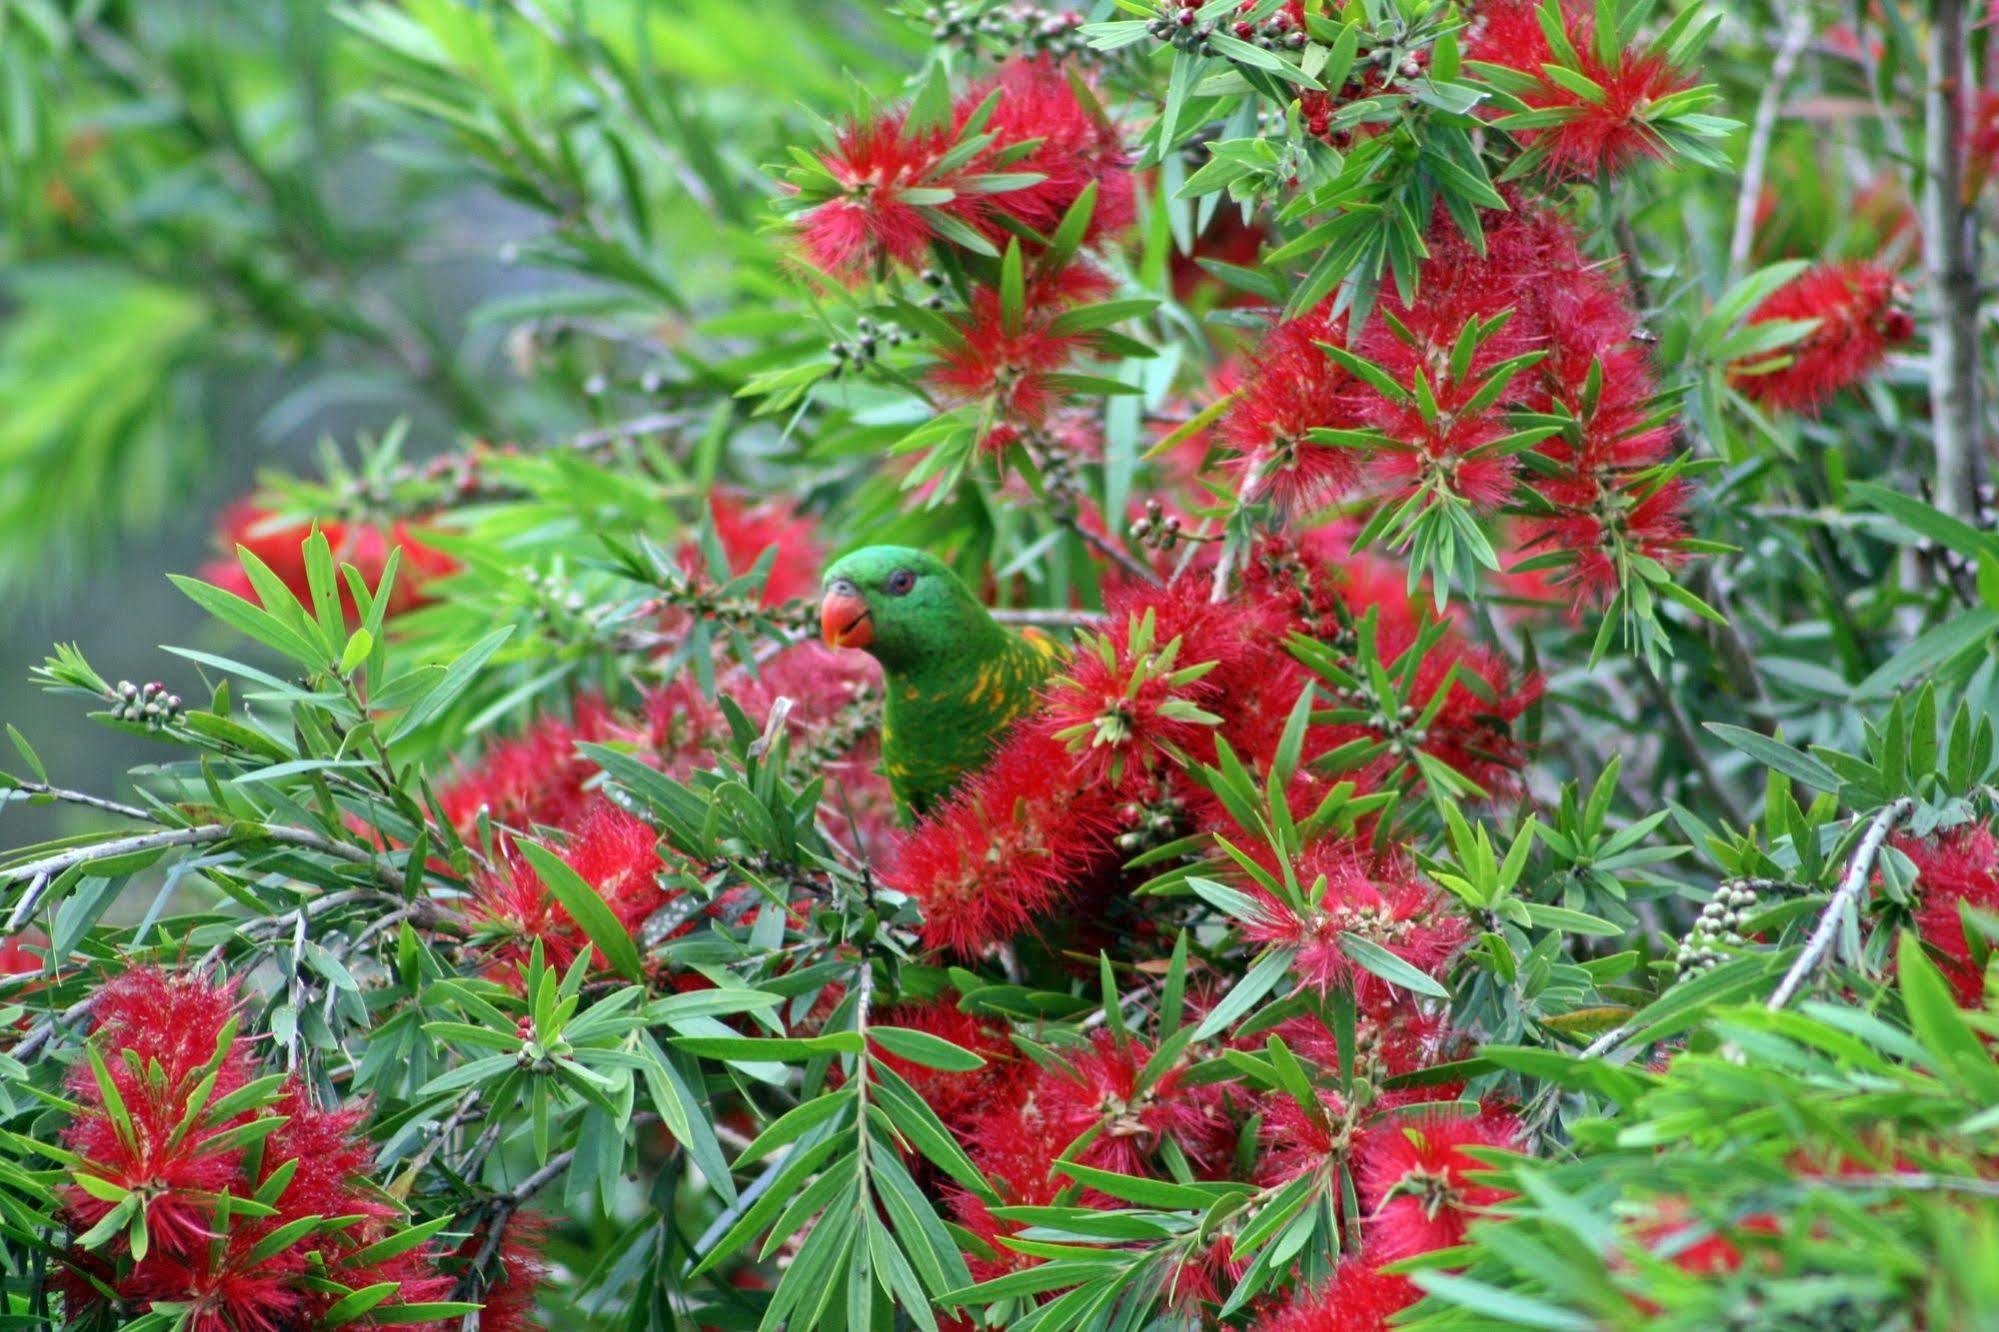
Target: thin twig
(1689, 738)
(1857, 873)
(1950, 257)
(1252, 477)
(1111, 550)
(1917, 1183)
(84, 798)
(41, 873)
(1798, 30)
(1047, 617)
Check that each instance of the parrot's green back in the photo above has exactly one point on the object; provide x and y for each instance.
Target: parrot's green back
(955, 678)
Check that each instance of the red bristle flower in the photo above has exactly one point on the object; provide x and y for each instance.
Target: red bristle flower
(1959, 866)
(745, 529)
(536, 777)
(882, 179)
(1005, 363)
(1075, 147)
(166, 1039)
(881, 170)
(614, 852)
(1006, 846)
(1098, 1089)
(280, 543)
(175, 1024)
(1860, 318)
(956, 1096)
(1297, 1139)
(1359, 1298)
(1129, 701)
(1415, 1180)
(1206, 1276)
(1290, 388)
(1364, 898)
(1596, 133)
(507, 1304)
(1014, 1149)
(1600, 527)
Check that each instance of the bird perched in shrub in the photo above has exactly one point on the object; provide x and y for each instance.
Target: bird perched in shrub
(955, 677)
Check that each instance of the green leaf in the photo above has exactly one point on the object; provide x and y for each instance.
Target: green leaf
(920, 1047)
(586, 908)
(1372, 957)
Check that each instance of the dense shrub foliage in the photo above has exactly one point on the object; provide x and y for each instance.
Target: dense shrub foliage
(1476, 804)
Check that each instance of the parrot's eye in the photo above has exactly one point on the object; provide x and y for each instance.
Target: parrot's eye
(900, 582)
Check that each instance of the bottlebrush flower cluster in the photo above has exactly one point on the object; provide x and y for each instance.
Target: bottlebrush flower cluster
(279, 543)
(1858, 319)
(1047, 822)
(1954, 869)
(1596, 114)
(189, 1179)
(1421, 402)
(539, 783)
(1016, 149)
(1006, 361)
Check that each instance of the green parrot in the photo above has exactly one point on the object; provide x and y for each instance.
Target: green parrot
(956, 679)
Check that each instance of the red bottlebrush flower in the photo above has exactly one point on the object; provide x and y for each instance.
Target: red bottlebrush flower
(20, 954)
(882, 172)
(1860, 318)
(279, 543)
(956, 1097)
(1596, 133)
(507, 1304)
(1014, 1148)
(612, 851)
(1600, 527)
(885, 186)
(1005, 847)
(536, 777)
(746, 530)
(1298, 1139)
(1291, 387)
(175, 1031)
(1415, 1180)
(1075, 146)
(1128, 700)
(1359, 1298)
(1099, 1090)
(1383, 904)
(1205, 1277)
(1960, 866)
(1007, 363)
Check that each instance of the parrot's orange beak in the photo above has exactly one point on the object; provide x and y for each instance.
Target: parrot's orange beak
(844, 618)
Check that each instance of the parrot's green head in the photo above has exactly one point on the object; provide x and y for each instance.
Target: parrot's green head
(904, 607)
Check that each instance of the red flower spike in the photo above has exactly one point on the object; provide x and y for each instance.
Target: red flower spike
(1860, 318)
(1004, 849)
(536, 777)
(1380, 903)
(280, 545)
(1099, 1090)
(1129, 700)
(1959, 866)
(1597, 133)
(957, 1098)
(1291, 387)
(1415, 1181)
(1359, 1298)
(888, 189)
(1006, 363)
(746, 529)
(614, 852)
